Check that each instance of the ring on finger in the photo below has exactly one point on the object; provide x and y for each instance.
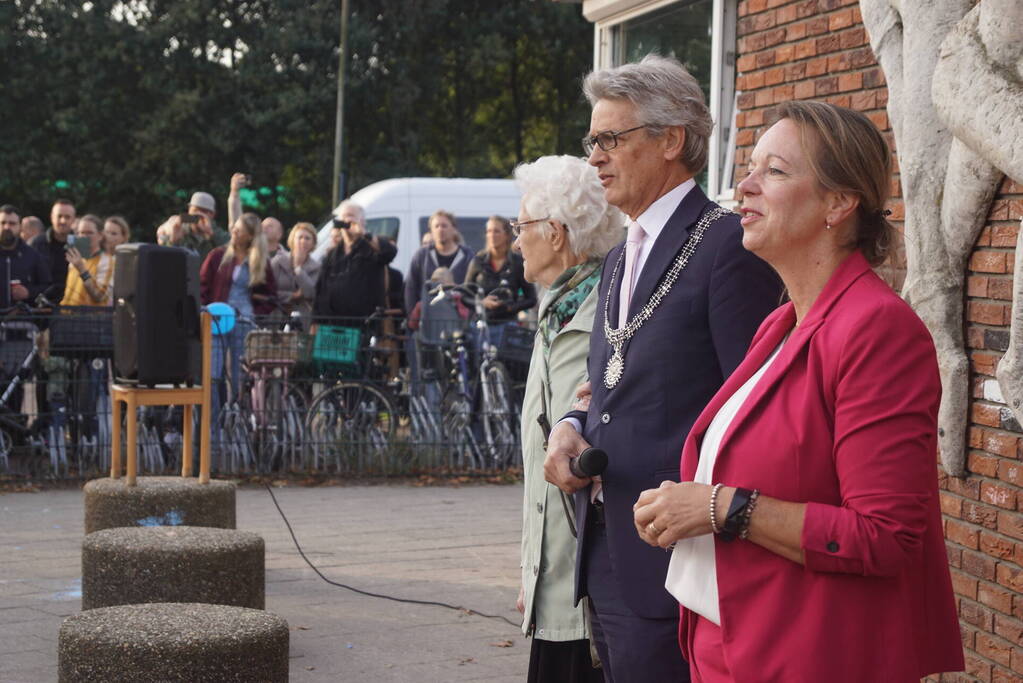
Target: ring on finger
(653, 530)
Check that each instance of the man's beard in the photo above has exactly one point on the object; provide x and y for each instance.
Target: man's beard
(8, 239)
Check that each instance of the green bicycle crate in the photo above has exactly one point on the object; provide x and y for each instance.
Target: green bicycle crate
(337, 348)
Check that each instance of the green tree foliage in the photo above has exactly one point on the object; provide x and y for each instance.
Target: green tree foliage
(137, 103)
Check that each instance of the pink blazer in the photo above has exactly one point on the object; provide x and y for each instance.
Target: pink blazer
(846, 421)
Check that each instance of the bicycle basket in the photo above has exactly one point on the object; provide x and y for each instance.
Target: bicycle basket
(83, 332)
(273, 347)
(516, 350)
(337, 348)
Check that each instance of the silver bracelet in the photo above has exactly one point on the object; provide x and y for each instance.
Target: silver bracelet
(713, 508)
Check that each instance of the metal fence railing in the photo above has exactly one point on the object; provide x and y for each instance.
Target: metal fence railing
(351, 397)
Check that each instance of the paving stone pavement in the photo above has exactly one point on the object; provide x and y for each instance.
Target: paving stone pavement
(449, 544)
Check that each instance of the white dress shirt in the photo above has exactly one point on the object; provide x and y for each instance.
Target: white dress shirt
(692, 572)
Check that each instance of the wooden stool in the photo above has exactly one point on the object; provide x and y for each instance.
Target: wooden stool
(188, 397)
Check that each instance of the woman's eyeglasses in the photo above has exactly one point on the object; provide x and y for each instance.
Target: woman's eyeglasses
(516, 226)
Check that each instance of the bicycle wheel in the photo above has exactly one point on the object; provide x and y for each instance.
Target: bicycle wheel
(280, 426)
(351, 424)
(456, 421)
(499, 429)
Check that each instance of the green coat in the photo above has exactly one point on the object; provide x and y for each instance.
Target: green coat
(548, 547)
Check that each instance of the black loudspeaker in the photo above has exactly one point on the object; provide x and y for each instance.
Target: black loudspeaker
(156, 315)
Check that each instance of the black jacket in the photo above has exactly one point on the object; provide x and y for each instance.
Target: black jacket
(352, 284)
(52, 252)
(482, 273)
(28, 266)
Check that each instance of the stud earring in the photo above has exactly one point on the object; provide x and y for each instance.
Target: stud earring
(827, 226)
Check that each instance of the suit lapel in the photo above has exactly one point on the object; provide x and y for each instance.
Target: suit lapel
(666, 248)
(848, 272)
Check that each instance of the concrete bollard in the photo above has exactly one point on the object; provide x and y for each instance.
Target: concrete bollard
(173, 642)
(131, 565)
(158, 501)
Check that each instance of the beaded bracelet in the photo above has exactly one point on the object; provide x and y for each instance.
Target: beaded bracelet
(713, 508)
(748, 514)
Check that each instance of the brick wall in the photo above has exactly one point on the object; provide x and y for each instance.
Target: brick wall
(818, 49)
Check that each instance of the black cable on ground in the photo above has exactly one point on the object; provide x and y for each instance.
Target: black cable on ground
(376, 595)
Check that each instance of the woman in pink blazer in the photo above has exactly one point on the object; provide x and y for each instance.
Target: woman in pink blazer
(807, 535)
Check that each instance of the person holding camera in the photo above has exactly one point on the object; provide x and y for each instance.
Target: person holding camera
(195, 229)
(352, 279)
(90, 275)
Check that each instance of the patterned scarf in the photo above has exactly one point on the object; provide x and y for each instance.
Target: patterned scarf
(566, 295)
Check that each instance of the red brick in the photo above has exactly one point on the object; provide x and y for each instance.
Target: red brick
(968, 487)
(1003, 676)
(840, 20)
(784, 54)
(1000, 288)
(764, 98)
(955, 555)
(1015, 209)
(976, 285)
(756, 6)
(826, 86)
(995, 597)
(988, 261)
(873, 78)
(837, 63)
(795, 72)
(1017, 661)
(784, 93)
(805, 49)
(994, 649)
(746, 63)
(1006, 235)
(847, 82)
(755, 117)
(774, 76)
(795, 32)
(805, 90)
(754, 43)
(1011, 525)
(776, 3)
(975, 614)
(983, 363)
(879, 118)
(978, 565)
(775, 37)
(962, 534)
(746, 100)
(786, 14)
(1010, 577)
(817, 67)
(765, 59)
(984, 239)
(860, 58)
(986, 313)
(999, 210)
(976, 339)
(827, 44)
(753, 81)
(964, 585)
(984, 465)
(981, 515)
(986, 414)
(817, 26)
(1001, 443)
(975, 666)
(950, 505)
(1010, 629)
(807, 8)
(998, 495)
(996, 546)
(864, 100)
(746, 137)
(853, 38)
(1010, 472)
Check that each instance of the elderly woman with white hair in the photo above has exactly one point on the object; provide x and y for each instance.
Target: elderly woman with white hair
(565, 229)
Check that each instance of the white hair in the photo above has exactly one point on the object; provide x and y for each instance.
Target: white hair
(349, 204)
(664, 94)
(567, 190)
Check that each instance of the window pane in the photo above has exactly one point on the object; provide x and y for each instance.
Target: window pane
(682, 31)
(473, 230)
(385, 227)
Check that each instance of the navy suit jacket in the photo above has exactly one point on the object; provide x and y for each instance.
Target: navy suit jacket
(674, 364)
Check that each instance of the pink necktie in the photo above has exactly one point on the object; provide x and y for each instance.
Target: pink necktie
(633, 243)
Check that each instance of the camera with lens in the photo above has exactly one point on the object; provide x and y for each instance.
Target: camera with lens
(343, 224)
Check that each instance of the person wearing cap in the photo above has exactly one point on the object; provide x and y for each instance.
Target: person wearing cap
(202, 236)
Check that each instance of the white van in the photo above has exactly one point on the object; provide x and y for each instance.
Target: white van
(399, 208)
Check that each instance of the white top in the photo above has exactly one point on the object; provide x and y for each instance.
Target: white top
(692, 572)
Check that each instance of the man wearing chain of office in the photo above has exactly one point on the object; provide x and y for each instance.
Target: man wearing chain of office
(679, 303)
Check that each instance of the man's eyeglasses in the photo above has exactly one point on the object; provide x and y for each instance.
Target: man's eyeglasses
(606, 140)
(516, 226)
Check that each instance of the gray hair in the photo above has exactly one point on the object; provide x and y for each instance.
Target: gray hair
(349, 204)
(665, 95)
(567, 189)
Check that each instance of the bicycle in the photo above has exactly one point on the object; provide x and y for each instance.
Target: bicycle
(278, 407)
(491, 383)
(351, 424)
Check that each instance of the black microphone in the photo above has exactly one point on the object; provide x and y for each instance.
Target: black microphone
(589, 463)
